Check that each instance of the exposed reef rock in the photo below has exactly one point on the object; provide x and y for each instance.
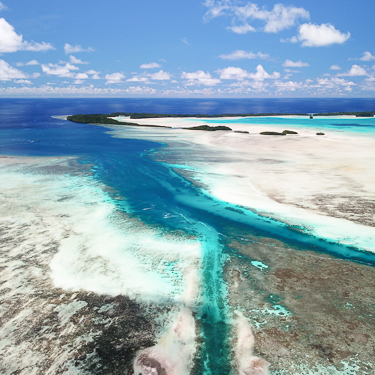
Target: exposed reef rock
(209, 128)
(289, 132)
(284, 132)
(272, 133)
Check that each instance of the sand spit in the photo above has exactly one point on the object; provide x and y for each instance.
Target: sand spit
(324, 183)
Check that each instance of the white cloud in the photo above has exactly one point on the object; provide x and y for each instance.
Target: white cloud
(140, 90)
(160, 76)
(355, 71)
(334, 82)
(150, 65)
(10, 41)
(23, 81)
(71, 90)
(288, 86)
(32, 62)
(94, 74)
(138, 79)
(59, 70)
(240, 74)
(114, 78)
(233, 73)
(242, 29)
(74, 49)
(367, 56)
(74, 60)
(81, 76)
(2, 6)
(335, 67)
(312, 35)
(261, 74)
(8, 73)
(241, 54)
(199, 78)
(185, 41)
(294, 64)
(280, 17)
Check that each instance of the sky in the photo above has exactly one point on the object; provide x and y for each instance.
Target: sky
(187, 48)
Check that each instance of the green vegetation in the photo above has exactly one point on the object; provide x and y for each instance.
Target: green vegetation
(208, 128)
(289, 132)
(320, 133)
(272, 133)
(93, 119)
(241, 131)
(105, 120)
(357, 114)
(365, 114)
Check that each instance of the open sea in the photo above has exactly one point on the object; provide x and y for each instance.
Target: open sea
(169, 204)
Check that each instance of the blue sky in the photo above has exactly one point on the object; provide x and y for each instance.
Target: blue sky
(181, 48)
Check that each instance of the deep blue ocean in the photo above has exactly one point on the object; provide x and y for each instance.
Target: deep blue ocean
(27, 128)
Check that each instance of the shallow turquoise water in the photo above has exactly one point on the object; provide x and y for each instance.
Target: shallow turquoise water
(358, 125)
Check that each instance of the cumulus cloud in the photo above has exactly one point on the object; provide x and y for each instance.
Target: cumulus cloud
(335, 67)
(140, 90)
(114, 78)
(367, 56)
(8, 72)
(143, 79)
(312, 35)
(355, 71)
(280, 17)
(74, 49)
(59, 70)
(71, 90)
(335, 82)
(81, 76)
(94, 74)
(288, 86)
(23, 81)
(199, 78)
(241, 54)
(160, 76)
(150, 65)
(74, 60)
(294, 64)
(241, 74)
(10, 41)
